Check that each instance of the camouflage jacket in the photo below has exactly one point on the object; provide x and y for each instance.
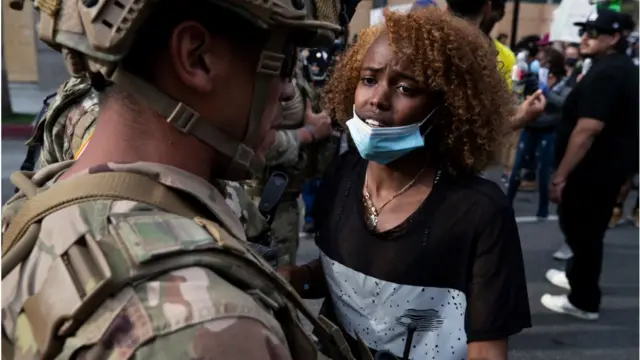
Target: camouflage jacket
(68, 122)
(188, 313)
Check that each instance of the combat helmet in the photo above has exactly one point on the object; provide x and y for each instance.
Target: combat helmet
(98, 34)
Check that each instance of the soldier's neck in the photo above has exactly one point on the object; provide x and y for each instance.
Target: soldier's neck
(123, 137)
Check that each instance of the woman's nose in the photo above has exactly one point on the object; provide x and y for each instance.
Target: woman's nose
(380, 97)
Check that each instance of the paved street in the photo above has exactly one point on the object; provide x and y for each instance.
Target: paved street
(553, 337)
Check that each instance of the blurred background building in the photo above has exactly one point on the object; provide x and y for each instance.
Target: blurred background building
(33, 67)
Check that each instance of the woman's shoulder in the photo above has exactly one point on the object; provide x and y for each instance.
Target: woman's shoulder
(477, 191)
(346, 161)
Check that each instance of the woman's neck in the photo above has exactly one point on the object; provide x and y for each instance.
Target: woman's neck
(393, 177)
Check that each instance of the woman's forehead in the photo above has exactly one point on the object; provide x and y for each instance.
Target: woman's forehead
(381, 54)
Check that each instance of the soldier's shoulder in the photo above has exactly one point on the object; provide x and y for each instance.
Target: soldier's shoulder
(182, 315)
(186, 312)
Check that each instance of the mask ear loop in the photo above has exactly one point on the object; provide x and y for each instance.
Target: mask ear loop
(423, 122)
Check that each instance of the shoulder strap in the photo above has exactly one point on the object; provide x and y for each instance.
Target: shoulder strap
(102, 186)
(260, 275)
(80, 135)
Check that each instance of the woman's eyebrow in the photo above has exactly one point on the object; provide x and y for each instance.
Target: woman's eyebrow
(398, 73)
(405, 76)
(372, 69)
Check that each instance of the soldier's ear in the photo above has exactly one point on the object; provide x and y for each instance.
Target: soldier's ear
(193, 55)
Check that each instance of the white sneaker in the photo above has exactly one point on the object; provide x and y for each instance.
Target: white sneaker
(564, 253)
(558, 278)
(561, 304)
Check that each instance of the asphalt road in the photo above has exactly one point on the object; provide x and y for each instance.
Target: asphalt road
(553, 337)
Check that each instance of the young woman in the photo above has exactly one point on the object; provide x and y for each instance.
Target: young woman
(420, 257)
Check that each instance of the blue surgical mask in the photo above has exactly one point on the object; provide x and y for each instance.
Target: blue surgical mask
(534, 67)
(386, 144)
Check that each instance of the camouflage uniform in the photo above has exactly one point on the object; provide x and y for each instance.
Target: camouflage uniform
(170, 309)
(298, 163)
(112, 278)
(68, 122)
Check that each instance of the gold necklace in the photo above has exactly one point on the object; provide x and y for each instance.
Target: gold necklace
(372, 212)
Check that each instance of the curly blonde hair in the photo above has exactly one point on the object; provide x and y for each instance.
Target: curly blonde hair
(449, 57)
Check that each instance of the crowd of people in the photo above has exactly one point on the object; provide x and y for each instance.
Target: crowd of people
(582, 152)
(177, 152)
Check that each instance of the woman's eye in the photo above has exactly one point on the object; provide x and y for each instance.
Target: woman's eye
(405, 89)
(368, 81)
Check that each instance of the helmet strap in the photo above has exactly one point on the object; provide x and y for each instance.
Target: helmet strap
(188, 121)
(184, 119)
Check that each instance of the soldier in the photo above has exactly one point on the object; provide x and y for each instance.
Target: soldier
(68, 124)
(317, 63)
(112, 256)
(306, 129)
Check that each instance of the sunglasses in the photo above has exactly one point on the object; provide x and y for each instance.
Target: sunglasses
(592, 33)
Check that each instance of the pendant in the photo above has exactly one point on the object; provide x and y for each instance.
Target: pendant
(372, 220)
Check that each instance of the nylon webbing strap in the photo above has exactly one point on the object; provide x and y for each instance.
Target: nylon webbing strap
(102, 186)
(188, 121)
(327, 332)
(79, 134)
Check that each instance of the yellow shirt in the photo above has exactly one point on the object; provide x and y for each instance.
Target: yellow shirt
(506, 61)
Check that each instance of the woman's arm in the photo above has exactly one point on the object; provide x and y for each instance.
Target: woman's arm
(487, 350)
(497, 300)
(307, 280)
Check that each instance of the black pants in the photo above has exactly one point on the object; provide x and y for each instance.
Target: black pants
(584, 217)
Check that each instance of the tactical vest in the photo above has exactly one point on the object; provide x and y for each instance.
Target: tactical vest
(87, 259)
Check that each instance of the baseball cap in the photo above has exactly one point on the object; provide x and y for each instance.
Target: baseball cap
(604, 20)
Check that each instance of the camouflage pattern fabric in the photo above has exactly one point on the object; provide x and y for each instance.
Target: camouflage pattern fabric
(244, 208)
(285, 149)
(319, 154)
(285, 229)
(68, 123)
(287, 156)
(193, 306)
(300, 164)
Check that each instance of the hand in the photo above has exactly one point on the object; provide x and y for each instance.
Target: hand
(556, 187)
(285, 272)
(320, 124)
(530, 109)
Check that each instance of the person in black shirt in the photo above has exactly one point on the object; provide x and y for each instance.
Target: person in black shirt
(594, 138)
(410, 237)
